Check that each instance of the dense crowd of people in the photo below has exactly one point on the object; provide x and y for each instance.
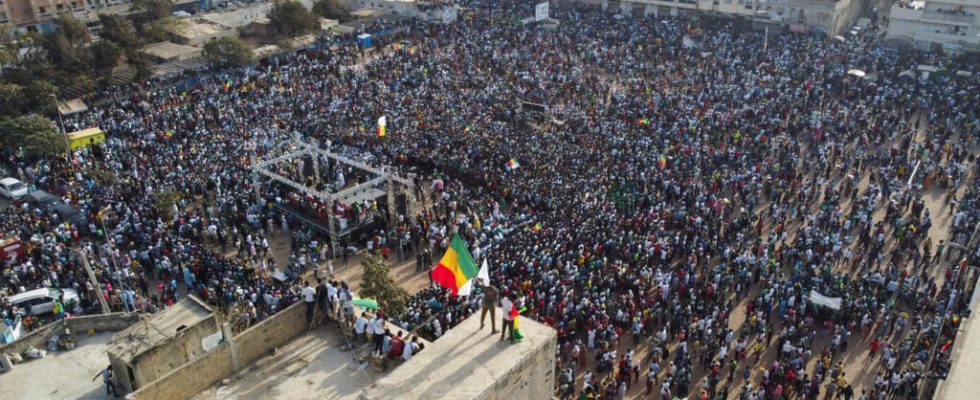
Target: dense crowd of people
(686, 192)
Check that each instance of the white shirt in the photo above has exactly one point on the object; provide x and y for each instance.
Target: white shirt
(407, 352)
(507, 306)
(308, 294)
(360, 324)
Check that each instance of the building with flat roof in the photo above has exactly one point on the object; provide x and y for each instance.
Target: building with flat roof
(432, 11)
(952, 26)
(827, 17)
(155, 346)
(473, 364)
(38, 15)
(169, 51)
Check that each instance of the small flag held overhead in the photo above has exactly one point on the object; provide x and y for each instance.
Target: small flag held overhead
(644, 121)
(169, 133)
(512, 164)
(382, 124)
(228, 85)
(663, 161)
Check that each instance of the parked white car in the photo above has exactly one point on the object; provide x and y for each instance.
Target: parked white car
(12, 188)
(41, 301)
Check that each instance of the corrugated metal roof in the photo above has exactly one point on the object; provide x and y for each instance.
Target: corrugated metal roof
(158, 328)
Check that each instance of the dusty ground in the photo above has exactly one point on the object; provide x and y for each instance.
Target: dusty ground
(61, 375)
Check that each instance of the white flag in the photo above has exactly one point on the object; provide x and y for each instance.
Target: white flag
(484, 273)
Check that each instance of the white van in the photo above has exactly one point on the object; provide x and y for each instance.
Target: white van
(41, 301)
(12, 188)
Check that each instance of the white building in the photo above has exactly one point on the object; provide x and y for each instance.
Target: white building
(432, 11)
(828, 17)
(950, 25)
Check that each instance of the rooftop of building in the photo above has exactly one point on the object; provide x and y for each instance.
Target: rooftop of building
(312, 366)
(200, 28)
(158, 328)
(239, 17)
(462, 364)
(965, 372)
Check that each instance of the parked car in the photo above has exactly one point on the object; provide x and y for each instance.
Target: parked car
(41, 301)
(12, 188)
(43, 200)
(69, 214)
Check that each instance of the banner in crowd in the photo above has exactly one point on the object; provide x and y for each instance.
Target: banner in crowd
(819, 299)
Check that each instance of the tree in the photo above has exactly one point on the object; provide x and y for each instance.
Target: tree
(67, 48)
(228, 51)
(145, 11)
(105, 57)
(36, 97)
(330, 9)
(290, 18)
(39, 97)
(140, 62)
(10, 99)
(33, 134)
(164, 202)
(119, 31)
(378, 284)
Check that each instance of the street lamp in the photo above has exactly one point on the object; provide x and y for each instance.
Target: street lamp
(71, 167)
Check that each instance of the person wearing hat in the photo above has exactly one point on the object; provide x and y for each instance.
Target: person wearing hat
(488, 304)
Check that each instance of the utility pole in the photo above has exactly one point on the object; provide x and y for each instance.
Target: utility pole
(64, 133)
(95, 283)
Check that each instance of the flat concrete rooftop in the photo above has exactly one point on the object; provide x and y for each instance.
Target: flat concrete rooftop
(463, 364)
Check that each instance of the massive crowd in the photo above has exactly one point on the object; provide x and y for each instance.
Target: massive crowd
(685, 193)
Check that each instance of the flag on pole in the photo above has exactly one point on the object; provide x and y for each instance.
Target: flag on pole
(456, 267)
(382, 123)
(484, 274)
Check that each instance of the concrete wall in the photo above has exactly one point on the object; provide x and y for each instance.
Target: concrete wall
(244, 348)
(78, 326)
(258, 340)
(189, 380)
(532, 378)
(175, 352)
(468, 364)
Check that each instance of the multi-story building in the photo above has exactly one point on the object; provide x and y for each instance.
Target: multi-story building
(38, 15)
(829, 17)
(949, 25)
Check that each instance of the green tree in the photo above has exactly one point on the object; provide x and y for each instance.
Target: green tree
(290, 18)
(330, 9)
(36, 97)
(377, 284)
(151, 10)
(32, 133)
(140, 62)
(119, 31)
(105, 57)
(39, 97)
(67, 48)
(228, 51)
(10, 99)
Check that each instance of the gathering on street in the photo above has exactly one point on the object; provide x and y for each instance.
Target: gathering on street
(701, 210)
